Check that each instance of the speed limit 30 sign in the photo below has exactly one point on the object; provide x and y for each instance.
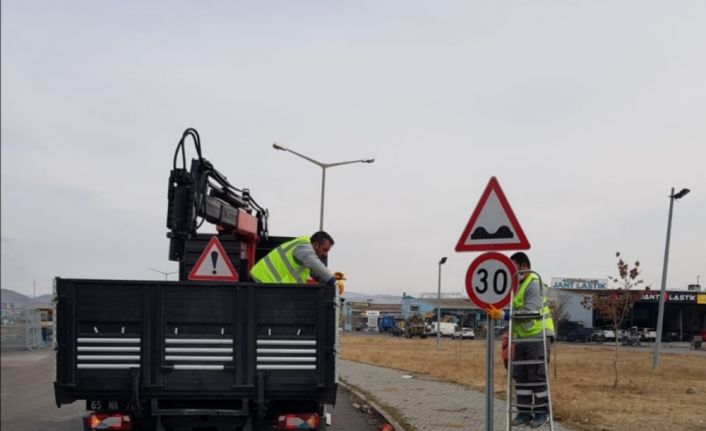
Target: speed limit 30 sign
(490, 279)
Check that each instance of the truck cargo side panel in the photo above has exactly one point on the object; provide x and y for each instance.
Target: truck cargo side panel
(109, 324)
(295, 335)
(198, 338)
(193, 341)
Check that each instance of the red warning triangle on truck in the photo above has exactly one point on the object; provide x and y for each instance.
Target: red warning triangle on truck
(493, 225)
(213, 264)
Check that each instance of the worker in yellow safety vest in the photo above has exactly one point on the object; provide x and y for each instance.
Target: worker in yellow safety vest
(532, 400)
(297, 260)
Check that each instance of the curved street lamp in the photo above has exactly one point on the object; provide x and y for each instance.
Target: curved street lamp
(165, 274)
(323, 167)
(660, 312)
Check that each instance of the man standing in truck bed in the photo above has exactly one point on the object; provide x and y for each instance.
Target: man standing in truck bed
(297, 260)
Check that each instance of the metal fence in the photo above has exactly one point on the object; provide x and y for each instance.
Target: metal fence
(21, 329)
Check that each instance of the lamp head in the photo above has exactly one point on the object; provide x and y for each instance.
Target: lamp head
(442, 261)
(368, 160)
(278, 147)
(681, 194)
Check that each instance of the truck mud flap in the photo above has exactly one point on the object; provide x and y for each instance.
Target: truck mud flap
(61, 396)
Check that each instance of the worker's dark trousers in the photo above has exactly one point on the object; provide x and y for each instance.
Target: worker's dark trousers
(529, 397)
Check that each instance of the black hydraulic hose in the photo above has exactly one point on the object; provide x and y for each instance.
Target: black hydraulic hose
(180, 146)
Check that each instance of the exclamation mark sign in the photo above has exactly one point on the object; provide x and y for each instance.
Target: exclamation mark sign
(214, 260)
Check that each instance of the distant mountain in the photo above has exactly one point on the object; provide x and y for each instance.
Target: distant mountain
(45, 299)
(380, 299)
(19, 300)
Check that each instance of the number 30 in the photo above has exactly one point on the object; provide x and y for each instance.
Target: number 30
(499, 288)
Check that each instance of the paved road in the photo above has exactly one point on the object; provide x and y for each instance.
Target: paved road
(28, 399)
(423, 403)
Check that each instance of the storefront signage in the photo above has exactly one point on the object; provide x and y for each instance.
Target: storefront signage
(682, 297)
(701, 298)
(579, 283)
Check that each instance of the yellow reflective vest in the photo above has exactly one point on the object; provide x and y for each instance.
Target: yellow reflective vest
(279, 266)
(523, 328)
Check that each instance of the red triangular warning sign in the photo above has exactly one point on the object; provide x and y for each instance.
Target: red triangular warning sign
(213, 264)
(493, 225)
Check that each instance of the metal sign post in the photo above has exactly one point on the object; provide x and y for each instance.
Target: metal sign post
(490, 282)
(489, 370)
(489, 279)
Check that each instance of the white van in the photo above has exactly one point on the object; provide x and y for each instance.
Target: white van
(447, 328)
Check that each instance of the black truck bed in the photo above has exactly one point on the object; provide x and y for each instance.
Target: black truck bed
(143, 341)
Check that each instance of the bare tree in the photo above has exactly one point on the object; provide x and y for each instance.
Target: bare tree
(614, 306)
(558, 306)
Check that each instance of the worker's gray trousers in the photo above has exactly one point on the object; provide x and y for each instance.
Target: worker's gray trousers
(531, 399)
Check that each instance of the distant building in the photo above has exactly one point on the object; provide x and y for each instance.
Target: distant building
(461, 309)
(684, 311)
(363, 315)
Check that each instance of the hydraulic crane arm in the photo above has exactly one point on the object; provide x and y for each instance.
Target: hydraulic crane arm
(204, 194)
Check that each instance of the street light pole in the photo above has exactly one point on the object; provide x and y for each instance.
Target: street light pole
(323, 189)
(166, 274)
(660, 312)
(438, 306)
(323, 167)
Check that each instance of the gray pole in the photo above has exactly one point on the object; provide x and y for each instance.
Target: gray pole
(438, 306)
(438, 311)
(489, 377)
(660, 313)
(323, 187)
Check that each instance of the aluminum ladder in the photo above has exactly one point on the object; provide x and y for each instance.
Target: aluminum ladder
(512, 406)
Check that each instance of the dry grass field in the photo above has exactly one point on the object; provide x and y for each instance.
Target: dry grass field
(671, 398)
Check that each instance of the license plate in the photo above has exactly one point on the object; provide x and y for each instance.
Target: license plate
(107, 405)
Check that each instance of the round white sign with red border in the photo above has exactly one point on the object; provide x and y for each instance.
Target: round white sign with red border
(490, 279)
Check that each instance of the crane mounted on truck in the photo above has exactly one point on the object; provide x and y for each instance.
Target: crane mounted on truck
(195, 353)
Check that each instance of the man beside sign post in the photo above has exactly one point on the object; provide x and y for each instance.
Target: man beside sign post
(531, 378)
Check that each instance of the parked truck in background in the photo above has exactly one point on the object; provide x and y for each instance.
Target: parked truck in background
(415, 327)
(212, 351)
(446, 329)
(386, 323)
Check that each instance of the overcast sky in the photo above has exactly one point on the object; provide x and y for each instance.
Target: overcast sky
(586, 112)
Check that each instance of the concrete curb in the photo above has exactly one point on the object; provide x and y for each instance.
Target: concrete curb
(388, 417)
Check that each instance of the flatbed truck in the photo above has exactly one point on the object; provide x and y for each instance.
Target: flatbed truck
(197, 354)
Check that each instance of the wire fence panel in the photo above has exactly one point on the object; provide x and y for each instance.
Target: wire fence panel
(21, 329)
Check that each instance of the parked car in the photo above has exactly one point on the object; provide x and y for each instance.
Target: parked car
(464, 334)
(573, 332)
(600, 335)
(648, 334)
(632, 338)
